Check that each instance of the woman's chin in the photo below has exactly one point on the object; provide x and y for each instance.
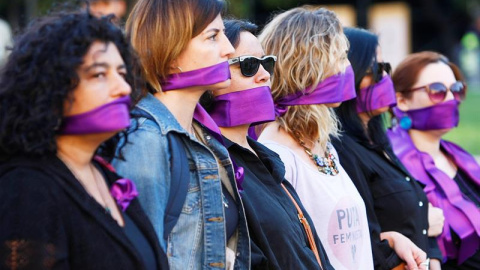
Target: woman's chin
(220, 85)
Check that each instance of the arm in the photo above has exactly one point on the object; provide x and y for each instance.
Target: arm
(405, 249)
(146, 163)
(32, 234)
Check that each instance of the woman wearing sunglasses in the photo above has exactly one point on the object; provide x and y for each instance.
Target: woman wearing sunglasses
(429, 90)
(184, 53)
(279, 239)
(312, 75)
(397, 206)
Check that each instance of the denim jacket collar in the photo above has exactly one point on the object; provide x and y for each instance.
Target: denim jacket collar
(156, 109)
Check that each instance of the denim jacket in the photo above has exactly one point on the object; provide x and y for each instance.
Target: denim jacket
(198, 240)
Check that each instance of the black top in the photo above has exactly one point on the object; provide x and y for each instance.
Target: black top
(231, 212)
(49, 221)
(472, 263)
(467, 187)
(278, 239)
(394, 200)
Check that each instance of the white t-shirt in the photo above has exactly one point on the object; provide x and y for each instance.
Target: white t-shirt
(335, 206)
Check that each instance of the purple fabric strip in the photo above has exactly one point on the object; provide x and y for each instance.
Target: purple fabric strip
(334, 89)
(199, 77)
(444, 115)
(203, 117)
(252, 106)
(461, 215)
(252, 133)
(380, 95)
(113, 116)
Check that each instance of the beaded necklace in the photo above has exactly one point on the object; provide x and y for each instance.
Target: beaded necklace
(326, 164)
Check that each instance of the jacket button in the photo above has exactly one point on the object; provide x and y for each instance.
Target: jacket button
(208, 137)
(407, 178)
(420, 203)
(424, 231)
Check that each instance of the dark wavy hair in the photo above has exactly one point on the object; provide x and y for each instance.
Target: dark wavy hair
(40, 75)
(362, 56)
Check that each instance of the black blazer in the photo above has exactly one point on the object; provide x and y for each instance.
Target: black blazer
(49, 221)
(278, 239)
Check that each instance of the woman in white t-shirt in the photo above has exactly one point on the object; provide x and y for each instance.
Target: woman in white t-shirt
(313, 74)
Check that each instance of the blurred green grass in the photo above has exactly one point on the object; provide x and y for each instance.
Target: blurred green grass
(467, 134)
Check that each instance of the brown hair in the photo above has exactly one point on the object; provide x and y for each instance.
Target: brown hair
(407, 72)
(160, 30)
(310, 44)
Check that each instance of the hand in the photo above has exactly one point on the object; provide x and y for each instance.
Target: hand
(405, 249)
(435, 220)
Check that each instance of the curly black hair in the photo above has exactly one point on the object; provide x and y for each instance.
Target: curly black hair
(40, 75)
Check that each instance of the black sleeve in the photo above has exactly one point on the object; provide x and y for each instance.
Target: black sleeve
(433, 249)
(32, 234)
(384, 257)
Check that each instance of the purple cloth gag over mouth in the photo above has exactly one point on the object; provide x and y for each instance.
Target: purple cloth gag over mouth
(198, 77)
(112, 116)
(252, 106)
(380, 95)
(334, 89)
(444, 115)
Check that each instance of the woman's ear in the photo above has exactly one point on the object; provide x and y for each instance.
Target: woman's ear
(174, 68)
(402, 102)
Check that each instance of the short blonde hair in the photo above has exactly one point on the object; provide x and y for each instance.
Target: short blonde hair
(160, 31)
(310, 46)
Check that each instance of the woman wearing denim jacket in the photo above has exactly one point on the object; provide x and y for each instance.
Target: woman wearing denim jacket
(184, 53)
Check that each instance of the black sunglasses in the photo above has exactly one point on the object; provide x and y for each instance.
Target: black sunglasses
(249, 65)
(437, 91)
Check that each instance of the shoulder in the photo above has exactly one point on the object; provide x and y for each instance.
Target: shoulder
(286, 154)
(25, 187)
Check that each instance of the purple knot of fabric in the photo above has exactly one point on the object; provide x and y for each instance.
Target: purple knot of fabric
(280, 110)
(123, 191)
(239, 174)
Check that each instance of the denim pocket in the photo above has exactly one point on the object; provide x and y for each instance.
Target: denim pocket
(193, 199)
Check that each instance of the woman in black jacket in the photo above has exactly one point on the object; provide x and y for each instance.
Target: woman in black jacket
(65, 94)
(396, 204)
(279, 240)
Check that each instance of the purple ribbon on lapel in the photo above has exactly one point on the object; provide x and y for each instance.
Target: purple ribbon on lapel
(380, 95)
(252, 106)
(443, 115)
(334, 89)
(198, 77)
(113, 116)
(123, 191)
(203, 117)
(461, 215)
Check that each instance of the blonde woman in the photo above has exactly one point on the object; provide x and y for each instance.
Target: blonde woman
(184, 53)
(312, 75)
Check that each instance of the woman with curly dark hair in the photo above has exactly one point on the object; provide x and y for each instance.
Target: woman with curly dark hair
(64, 92)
